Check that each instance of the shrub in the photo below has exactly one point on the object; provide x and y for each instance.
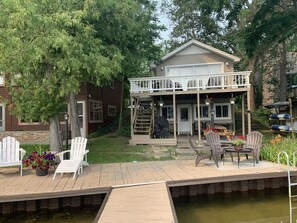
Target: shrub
(262, 115)
(271, 150)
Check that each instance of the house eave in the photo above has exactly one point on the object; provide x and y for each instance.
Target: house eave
(204, 46)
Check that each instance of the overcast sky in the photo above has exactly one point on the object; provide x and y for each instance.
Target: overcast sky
(164, 21)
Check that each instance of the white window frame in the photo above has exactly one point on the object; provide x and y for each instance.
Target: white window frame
(2, 79)
(194, 65)
(112, 108)
(201, 117)
(222, 104)
(167, 106)
(100, 111)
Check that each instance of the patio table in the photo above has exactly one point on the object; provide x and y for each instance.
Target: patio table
(231, 150)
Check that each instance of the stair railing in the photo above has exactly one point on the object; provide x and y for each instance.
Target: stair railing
(136, 109)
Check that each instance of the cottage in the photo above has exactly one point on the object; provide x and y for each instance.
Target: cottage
(97, 106)
(193, 87)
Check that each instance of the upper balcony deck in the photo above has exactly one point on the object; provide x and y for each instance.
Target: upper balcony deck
(230, 80)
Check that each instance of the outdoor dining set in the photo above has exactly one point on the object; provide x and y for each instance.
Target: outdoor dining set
(217, 149)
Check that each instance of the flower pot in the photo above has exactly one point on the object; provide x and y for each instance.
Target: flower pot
(40, 172)
(238, 147)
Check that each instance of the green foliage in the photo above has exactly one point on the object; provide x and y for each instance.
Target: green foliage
(49, 48)
(213, 22)
(124, 131)
(32, 147)
(132, 27)
(271, 149)
(274, 22)
(238, 142)
(262, 115)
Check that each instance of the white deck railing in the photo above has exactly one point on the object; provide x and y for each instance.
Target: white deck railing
(190, 82)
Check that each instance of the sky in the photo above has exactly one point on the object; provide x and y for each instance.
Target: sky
(164, 21)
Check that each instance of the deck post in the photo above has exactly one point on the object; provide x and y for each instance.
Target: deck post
(198, 117)
(249, 111)
(131, 112)
(174, 115)
(242, 115)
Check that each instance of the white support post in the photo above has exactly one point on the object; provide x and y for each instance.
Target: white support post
(249, 111)
(198, 117)
(174, 115)
(242, 115)
(131, 111)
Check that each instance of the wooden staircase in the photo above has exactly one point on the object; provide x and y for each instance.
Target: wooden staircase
(144, 118)
(255, 125)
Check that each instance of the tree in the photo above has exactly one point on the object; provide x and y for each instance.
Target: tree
(49, 48)
(131, 26)
(273, 26)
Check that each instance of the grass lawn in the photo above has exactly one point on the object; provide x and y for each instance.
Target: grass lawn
(113, 149)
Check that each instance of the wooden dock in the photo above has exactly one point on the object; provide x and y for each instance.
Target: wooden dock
(181, 176)
(139, 203)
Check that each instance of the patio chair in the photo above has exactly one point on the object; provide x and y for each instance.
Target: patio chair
(254, 141)
(201, 153)
(213, 140)
(11, 154)
(77, 159)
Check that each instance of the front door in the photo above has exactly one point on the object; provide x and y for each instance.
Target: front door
(81, 109)
(2, 117)
(184, 119)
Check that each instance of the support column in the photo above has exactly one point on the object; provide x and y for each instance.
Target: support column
(131, 112)
(242, 115)
(174, 115)
(249, 111)
(233, 117)
(198, 117)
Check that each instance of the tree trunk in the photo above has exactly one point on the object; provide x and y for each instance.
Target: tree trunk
(251, 67)
(122, 102)
(55, 135)
(75, 129)
(282, 73)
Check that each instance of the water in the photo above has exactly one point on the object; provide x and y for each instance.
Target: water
(258, 207)
(79, 216)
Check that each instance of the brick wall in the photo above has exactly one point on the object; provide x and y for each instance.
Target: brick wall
(28, 137)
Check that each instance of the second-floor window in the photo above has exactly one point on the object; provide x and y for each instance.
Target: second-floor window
(95, 111)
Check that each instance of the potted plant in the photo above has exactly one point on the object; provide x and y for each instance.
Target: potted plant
(238, 143)
(40, 162)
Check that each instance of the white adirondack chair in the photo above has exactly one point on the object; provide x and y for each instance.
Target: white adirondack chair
(77, 158)
(11, 154)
